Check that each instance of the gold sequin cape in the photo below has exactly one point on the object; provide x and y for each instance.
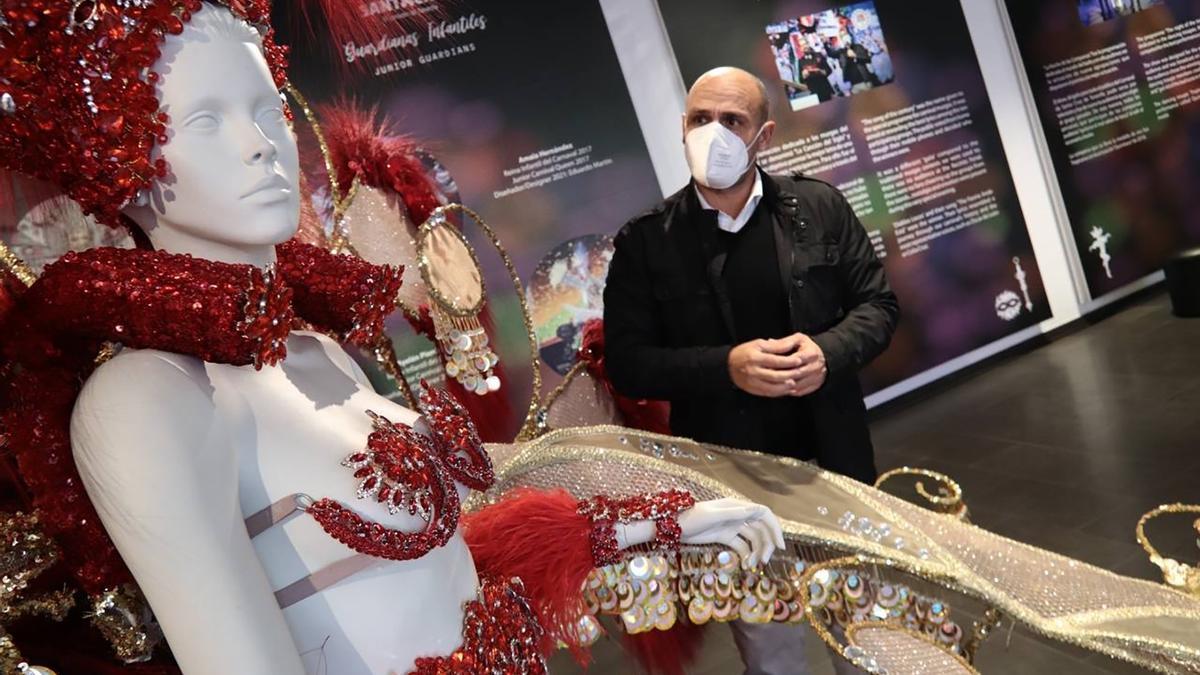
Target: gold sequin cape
(1054, 596)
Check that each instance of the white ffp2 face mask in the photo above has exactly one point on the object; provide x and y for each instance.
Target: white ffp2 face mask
(717, 157)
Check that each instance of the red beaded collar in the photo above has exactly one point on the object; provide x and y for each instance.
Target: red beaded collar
(218, 312)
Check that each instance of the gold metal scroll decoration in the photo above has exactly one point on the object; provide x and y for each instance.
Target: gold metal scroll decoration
(949, 497)
(1175, 574)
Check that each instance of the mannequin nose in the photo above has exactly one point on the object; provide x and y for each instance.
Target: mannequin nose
(261, 150)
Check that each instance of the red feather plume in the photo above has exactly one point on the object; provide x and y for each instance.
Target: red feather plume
(377, 155)
(343, 24)
(644, 414)
(371, 151)
(540, 538)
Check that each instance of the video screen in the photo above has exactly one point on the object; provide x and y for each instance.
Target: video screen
(832, 54)
(1098, 11)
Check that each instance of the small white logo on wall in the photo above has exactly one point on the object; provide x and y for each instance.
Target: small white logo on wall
(1008, 305)
(1019, 275)
(1100, 245)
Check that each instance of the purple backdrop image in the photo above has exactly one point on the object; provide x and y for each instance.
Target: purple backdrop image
(525, 105)
(1116, 84)
(908, 135)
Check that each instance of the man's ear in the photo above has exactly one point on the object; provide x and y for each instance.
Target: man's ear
(768, 134)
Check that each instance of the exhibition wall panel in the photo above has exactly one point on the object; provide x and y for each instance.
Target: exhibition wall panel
(1115, 85)
(921, 117)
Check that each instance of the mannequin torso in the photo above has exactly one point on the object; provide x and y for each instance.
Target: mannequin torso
(282, 431)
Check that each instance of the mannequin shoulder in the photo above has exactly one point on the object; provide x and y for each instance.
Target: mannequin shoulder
(139, 373)
(143, 391)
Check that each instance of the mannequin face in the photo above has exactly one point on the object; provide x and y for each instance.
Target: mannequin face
(233, 188)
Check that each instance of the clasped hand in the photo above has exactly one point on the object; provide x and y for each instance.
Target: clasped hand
(790, 366)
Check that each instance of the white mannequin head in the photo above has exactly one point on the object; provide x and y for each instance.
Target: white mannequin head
(233, 189)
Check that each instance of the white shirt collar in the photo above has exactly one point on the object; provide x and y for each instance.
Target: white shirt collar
(735, 225)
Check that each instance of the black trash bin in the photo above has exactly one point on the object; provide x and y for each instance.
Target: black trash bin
(1183, 282)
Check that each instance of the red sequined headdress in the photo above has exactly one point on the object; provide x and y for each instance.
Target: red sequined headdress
(78, 106)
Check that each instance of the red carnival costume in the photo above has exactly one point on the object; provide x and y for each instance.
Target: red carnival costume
(78, 109)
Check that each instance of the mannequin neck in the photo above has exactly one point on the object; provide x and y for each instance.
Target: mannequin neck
(732, 199)
(174, 240)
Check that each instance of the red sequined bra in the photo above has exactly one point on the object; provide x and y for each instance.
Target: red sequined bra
(406, 472)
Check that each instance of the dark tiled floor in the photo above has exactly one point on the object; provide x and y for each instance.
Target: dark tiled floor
(1063, 447)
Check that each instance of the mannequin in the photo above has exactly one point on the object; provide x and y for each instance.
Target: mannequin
(176, 452)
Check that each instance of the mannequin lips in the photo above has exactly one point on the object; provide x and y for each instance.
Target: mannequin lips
(272, 183)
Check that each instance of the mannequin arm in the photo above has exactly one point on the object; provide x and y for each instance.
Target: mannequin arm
(750, 529)
(164, 478)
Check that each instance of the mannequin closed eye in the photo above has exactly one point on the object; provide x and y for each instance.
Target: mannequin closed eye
(272, 115)
(202, 121)
(232, 193)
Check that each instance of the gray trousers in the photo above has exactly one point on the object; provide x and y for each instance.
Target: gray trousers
(779, 649)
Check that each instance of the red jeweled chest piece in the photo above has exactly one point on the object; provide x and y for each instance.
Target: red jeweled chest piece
(398, 468)
(402, 470)
(268, 316)
(457, 439)
(501, 635)
(408, 472)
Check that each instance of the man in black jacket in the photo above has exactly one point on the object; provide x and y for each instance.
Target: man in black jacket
(750, 306)
(750, 302)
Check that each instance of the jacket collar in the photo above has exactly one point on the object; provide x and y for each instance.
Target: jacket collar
(782, 209)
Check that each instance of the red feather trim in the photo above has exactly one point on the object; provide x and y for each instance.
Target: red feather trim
(377, 155)
(344, 21)
(343, 26)
(539, 537)
(644, 414)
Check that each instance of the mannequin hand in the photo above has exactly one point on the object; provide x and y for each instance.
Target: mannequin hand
(748, 528)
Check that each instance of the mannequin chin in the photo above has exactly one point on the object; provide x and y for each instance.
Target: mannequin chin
(233, 189)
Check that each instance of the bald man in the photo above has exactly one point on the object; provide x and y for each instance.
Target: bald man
(750, 302)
